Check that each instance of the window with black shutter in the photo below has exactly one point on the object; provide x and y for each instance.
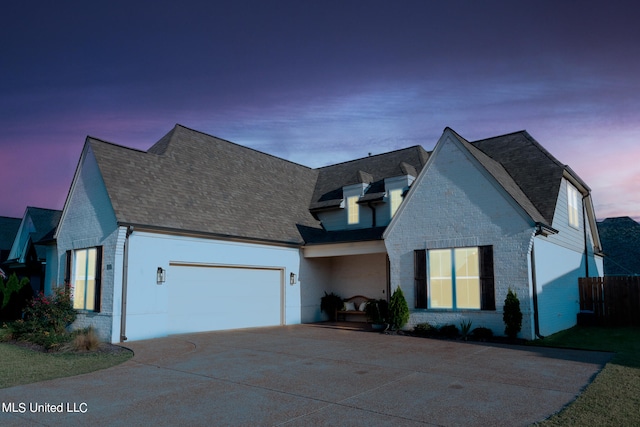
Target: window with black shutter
(420, 277)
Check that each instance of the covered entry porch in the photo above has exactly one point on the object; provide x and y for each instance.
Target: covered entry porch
(345, 269)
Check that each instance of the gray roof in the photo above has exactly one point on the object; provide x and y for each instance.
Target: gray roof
(499, 172)
(532, 168)
(370, 170)
(196, 183)
(620, 239)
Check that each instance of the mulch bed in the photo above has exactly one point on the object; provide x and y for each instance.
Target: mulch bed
(103, 348)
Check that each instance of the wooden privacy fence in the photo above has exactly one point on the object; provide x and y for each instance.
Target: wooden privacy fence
(613, 300)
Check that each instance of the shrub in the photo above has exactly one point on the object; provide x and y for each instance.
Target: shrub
(465, 327)
(51, 313)
(398, 309)
(330, 303)
(377, 311)
(448, 331)
(512, 316)
(85, 340)
(482, 334)
(425, 330)
(14, 297)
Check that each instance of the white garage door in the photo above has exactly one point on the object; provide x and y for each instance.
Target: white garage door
(209, 298)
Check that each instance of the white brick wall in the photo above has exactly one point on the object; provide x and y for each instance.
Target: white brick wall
(89, 221)
(455, 203)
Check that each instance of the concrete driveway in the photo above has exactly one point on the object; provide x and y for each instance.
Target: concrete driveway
(311, 375)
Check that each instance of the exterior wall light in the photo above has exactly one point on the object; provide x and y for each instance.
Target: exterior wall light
(292, 279)
(161, 276)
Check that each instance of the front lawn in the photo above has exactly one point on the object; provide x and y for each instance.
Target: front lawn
(23, 365)
(613, 398)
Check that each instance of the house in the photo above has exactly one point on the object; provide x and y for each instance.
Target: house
(621, 244)
(30, 247)
(487, 216)
(198, 234)
(8, 230)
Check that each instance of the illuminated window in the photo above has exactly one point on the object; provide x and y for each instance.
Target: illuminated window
(573, 206)
(396, 199)
(86, 279)
(457, 278)
(353, 210)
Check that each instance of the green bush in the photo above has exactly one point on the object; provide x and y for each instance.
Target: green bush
(377, 311)
(15, 295)
(465, 328)
(330, 303)
(398, 309)
(482, 334)
(46, 319)
(448, 331)
(512, 316)
(425, 330)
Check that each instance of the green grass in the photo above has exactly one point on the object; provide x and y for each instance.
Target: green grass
(23, 366)
(613, 398)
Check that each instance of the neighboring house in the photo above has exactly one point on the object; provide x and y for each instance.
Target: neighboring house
(30, 247)
(8, 230)
(621, 245)
(198, 233)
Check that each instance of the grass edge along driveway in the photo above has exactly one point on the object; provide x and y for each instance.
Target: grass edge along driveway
(613, 398)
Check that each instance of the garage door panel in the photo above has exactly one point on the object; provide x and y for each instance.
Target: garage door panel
(203, 298)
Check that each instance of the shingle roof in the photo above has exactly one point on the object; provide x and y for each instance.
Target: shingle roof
(499, 172)
(331, 179)
(535, 171)
(198, 183)
(620, 239)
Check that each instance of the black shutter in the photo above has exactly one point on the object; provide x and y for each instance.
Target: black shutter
(420, 277)
(487, 285)
(67, 269)
(98, 292)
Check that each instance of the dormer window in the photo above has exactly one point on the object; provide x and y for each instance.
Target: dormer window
(353, 210)
(395, 197)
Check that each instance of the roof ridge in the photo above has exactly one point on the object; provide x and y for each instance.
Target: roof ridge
(241, 146)
(102, 141)
(417, 146)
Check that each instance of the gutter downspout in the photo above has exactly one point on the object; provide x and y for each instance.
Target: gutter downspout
(125, 273)
(373, 214)
(534, 284)
(584, 227)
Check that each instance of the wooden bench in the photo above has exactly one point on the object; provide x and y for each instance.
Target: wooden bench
(352, 307)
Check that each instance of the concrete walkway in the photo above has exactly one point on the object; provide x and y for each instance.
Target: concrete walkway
(312, 375)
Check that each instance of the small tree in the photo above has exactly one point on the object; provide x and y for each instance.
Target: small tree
(15, 295)
(512, 316)
(398, 309)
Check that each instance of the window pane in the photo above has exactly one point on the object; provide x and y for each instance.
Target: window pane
(353, 210)
(396, 199)
(440, 280)
(467, 278)
(80, 278)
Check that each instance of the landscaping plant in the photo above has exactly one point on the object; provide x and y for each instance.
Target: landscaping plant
(512, 316)
(330, 304)
(398, 309)
(15, 295)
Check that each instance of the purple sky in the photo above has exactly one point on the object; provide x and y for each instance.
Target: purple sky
(318, 82)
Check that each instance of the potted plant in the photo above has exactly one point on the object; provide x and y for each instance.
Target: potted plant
(330, 304)
(377, 311)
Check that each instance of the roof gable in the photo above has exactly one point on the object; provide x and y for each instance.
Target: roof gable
(532, 168)
(36, 224)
